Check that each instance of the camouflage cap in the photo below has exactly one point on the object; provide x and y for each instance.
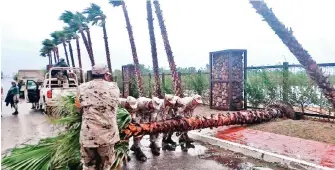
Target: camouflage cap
(198, 99)
(99, 69)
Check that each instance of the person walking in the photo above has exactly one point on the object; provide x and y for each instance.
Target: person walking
(12, 97)
(98, 103)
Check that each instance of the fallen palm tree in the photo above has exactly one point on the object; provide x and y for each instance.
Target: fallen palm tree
(63, 151)
(234, 118)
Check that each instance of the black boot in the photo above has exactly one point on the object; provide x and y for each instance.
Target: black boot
(188, 139)
(140, 156)
(167, 146)
(154, 149)
(15, 113)
(128, 158)
(170, 141)
(182, 143)
(189, 145)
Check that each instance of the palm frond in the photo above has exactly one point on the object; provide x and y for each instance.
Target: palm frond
(63, 151)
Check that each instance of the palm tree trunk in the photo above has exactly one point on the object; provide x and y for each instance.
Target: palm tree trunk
(235, 118)
(66, 55)
(79, 59)
(89, 40)
(133, 49)
(172, 64)
(287, 37)
(87, 46)
(50, 58)
(157, 86)
(71, 54)
(106, 46)
(55, 56)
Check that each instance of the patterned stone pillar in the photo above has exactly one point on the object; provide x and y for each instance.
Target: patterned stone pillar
(227, 79)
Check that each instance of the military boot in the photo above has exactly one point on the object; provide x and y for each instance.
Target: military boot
(170, 141)
(167, 146)
(154, 148)
(188, 139)
(15, 113)
(138, 153)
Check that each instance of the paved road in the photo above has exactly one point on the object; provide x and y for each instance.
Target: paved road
(30, 126)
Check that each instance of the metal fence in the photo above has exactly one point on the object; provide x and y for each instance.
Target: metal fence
(283, 76)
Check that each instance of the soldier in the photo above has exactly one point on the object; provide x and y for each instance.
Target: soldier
(148, 110)
(130, 104)
(97, 100)
(186, 109)
(169, 113)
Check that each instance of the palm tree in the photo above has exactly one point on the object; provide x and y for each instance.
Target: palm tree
(78, 20)
(70, 34)
(48, 46)
(132, 44)
(55, 49)
(157, 86)
(60, 35)
(305, 59)
(172, 64)
(44, 53)
(97, 17)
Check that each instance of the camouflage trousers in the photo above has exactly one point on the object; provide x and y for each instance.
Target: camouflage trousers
(100, 158)
(142, 118)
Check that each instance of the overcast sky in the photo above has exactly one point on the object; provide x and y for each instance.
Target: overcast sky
(194, 28)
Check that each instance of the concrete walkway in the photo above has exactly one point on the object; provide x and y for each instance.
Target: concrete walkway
(310, 151)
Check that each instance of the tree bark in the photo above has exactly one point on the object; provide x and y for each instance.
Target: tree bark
(79, 59)
(304, 58)
(50, 58)
(87, 47)
(157, 86)
(55, 57)
(66, 55)
(71, 54)
(89, 40)
(172, 64)
(106, 47)
(133, 49)
(57, 53)
(235, 118)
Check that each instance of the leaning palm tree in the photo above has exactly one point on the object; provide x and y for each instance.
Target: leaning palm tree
(56, 42)
(172, 64)
(132, 44)
(70, 34)
(97, 17)
(78, 20)
(60, 35)
(305, 59)
(48, 46)
(44, 53)
(157, 86)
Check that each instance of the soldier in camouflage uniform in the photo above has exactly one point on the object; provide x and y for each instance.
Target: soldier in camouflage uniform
(186, 108)
(98, 101)
(169, 113)
(147, 111)
(130, 104)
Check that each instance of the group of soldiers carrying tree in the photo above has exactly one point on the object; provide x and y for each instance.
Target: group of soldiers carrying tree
(98, 101)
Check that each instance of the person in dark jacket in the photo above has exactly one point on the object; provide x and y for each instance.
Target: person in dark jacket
(12, 97)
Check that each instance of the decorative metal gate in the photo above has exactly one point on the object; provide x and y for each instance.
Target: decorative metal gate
(128, 72)
(228, 78)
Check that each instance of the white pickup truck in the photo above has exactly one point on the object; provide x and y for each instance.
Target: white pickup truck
(50, 91)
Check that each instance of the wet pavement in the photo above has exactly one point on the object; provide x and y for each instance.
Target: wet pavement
(311, 151)
(29, 126)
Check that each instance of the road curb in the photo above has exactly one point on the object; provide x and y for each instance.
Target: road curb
(267, 156)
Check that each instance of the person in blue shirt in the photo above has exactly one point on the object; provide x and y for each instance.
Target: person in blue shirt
(12, 97)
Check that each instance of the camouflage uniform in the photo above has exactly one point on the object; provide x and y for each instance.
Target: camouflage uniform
(61, 78)
(169, 113)
(186, 109)
(147, 111)
(130, 104)
(99, 132)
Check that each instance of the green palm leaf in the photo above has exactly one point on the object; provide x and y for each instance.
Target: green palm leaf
(63, 151)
